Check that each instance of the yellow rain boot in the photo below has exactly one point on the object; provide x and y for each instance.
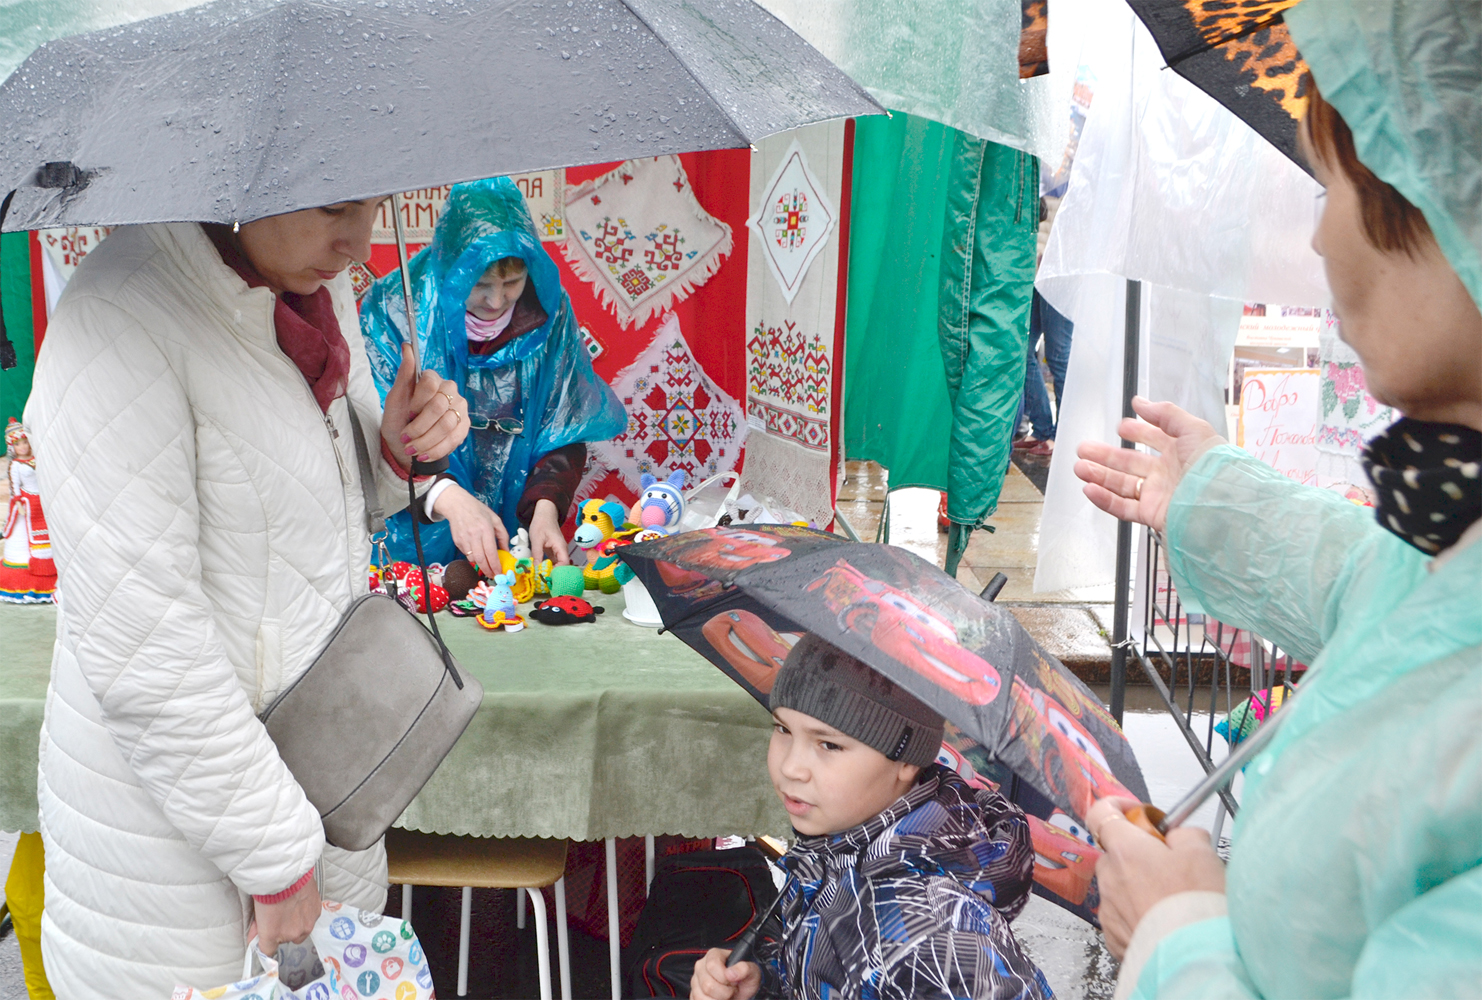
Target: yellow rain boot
(23, 895)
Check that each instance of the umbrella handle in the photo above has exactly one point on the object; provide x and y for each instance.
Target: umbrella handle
(1147, 818)
(419, 468)
(746, 944)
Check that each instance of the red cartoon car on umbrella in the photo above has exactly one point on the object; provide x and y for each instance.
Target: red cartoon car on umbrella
(908, 631)
(1071, 760)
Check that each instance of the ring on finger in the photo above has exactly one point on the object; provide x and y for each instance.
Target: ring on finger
(452, 403)
(1137, 490)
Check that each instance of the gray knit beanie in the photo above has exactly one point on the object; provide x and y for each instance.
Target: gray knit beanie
(821, 680)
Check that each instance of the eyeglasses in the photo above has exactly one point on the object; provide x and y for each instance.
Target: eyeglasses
(505, 425)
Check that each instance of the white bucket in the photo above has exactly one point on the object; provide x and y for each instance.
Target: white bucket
(639, 605)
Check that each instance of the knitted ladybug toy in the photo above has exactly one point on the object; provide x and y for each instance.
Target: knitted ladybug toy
(566, 611)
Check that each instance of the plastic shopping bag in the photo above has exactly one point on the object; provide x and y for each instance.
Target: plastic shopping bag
(366, 957)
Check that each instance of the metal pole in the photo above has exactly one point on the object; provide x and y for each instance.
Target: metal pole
(1124, 528)
(406, 282)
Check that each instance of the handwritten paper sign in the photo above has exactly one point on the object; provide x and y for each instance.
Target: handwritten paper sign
(1278, 420)
(420, 210)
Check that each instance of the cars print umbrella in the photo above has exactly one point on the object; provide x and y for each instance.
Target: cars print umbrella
(1241, 55)
(742, 595)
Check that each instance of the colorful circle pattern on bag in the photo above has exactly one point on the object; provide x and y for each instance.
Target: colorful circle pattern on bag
(391, 968)
(368, 983)
(383, 942)
(354, 955)
(342, 928)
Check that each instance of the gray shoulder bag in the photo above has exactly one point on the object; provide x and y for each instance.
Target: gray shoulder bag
(364, 727)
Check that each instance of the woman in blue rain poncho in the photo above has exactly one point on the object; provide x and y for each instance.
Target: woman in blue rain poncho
(494, 318)
(1356, 859)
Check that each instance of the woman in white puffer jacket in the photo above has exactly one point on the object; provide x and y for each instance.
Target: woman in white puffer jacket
(200, 480)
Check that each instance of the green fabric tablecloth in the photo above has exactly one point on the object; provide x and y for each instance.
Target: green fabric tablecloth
(586, 732)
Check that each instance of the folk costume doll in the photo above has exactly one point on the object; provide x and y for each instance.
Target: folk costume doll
(27, 573)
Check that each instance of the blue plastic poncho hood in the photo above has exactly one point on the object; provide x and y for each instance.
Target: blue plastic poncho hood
(543, 378)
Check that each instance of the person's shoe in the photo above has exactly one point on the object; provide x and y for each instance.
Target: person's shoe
(1045, 447)
(1026, 443)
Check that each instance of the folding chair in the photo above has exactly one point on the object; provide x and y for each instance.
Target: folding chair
(526, 865)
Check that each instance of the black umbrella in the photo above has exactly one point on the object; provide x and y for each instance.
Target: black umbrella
(742, 595)
(241, 109)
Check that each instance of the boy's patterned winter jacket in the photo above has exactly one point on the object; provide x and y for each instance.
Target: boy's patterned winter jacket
(913, 903)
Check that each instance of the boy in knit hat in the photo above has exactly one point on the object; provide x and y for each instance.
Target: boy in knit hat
(903, 880)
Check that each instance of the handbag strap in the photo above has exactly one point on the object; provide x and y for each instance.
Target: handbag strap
(375, 514)
(375, 521)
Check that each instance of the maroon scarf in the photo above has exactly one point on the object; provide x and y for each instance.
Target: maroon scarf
(306, 326)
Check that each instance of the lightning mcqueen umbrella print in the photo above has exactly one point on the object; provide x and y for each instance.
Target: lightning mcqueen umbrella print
(742, 595)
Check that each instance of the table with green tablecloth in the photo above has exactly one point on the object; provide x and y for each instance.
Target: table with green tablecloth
(587, 732)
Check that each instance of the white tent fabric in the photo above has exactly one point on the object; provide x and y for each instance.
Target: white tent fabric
(1170, 189)
(955, 63)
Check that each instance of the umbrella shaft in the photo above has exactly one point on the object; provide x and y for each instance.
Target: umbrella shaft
(1225, 773)
(406, 281)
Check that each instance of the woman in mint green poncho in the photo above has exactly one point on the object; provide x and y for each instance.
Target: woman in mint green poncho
(1356, 859)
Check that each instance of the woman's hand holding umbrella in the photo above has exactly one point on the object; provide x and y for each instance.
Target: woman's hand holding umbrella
(425, 417)
(1134, 485)
(1138, 869)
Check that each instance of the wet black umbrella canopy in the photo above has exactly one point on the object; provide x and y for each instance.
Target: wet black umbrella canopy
(241, 109)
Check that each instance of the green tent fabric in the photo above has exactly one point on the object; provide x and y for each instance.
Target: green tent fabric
(987, 283)
(15, 293)
(941, 272)
(896, 408)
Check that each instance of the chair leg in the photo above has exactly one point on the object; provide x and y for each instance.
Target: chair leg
(463, 923)
(519, 909)
(406, 902)
(542, 942)
(563, 939)
(614, 927)
(648, 861)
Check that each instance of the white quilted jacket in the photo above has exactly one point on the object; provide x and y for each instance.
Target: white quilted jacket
(209, 531)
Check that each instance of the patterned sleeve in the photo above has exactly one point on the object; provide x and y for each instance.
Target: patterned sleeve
(769, 961)
(972, 952)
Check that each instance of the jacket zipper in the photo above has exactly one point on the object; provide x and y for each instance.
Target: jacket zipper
(333, 433)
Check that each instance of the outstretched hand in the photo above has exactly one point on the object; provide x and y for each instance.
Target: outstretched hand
(1133, 485)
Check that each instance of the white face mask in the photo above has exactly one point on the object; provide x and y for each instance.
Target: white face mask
(481, 330)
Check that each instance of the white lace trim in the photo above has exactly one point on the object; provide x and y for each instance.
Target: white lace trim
(784, 474)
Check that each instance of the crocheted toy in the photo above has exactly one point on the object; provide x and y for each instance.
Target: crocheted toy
(660, 505)
(459, 577)
(566, 611)
(519, 545)
(567, 581)
(403, 581)
(599, 521)
(530, 582)
(499, 604)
